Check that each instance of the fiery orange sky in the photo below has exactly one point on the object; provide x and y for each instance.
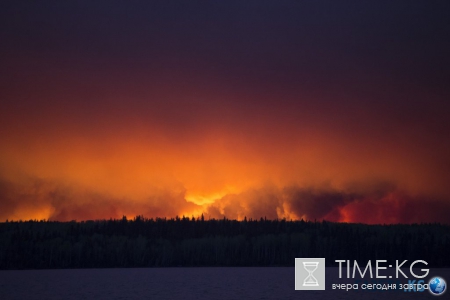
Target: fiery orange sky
(264, 109)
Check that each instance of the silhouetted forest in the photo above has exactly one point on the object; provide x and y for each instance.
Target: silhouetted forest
(185, 241)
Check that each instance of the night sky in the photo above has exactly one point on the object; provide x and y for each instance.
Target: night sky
(279, 109)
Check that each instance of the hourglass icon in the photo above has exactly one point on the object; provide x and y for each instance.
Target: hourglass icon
(310, 280)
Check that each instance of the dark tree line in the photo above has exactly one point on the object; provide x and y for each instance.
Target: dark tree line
(197, 242)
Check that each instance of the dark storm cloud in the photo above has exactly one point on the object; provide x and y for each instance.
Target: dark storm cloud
(293, 201)
(316, 204)
(284, 44)
(373, 68)
(382, 202)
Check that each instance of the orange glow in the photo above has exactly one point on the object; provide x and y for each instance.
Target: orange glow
(222, 164)
(274, 111)
(148, 174)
